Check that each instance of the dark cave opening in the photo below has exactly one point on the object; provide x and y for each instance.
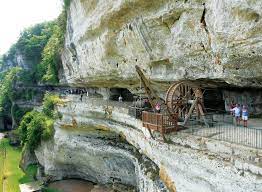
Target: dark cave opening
(214, 101)
(126, 95)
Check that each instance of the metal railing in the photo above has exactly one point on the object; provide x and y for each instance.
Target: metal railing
(226, 131)
(137, 111)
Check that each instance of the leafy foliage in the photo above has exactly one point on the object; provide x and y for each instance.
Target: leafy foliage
(20, 112)
(30, 45)
(40, 47)
(1, 61)
(67, 3)
(49, 103)
(33, 40)
(25, 94)
(6, 88)
(48, 68)
(36, 126)
(28, 117)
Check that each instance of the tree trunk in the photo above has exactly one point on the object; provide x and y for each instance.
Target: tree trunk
(12, 114)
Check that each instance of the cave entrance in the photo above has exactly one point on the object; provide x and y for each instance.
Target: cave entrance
(6, 123)
(251, 98)
(214, 101)
(126, 95)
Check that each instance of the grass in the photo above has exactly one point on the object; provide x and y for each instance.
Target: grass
(10, 174)
(2, 155)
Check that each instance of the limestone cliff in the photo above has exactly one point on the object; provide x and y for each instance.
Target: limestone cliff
(215, 40)
(98, 154)
(18, 60)
(87, 145)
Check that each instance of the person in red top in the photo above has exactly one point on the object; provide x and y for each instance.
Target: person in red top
(232, 106)
(157, 108)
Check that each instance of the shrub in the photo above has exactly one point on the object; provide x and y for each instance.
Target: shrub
(36, 126)
(34, 130)
(27, 118)
(49, 102)
(20, 112)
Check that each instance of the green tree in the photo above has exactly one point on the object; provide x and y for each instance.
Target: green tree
(7, 93)
(36, 126)
(33, 40)
(67, 3)
(1, 61)
(51, 55)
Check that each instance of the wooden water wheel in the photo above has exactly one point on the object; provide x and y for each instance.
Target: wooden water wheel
(183, 99)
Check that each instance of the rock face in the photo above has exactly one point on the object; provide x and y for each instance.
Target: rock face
(96, 154)
(84, 147)
(18, 60)
(215, 40)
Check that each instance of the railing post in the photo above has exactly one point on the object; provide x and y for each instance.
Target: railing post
(256, 138)
(162, 121)
(157, 122)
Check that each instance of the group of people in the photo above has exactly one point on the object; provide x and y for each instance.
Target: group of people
(80, 92)
(75, 91)
(239, 112)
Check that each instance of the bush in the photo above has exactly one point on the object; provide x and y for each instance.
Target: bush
(20, 112)
(36, 126)
(49, 102)
(34, 130)
(27, 118)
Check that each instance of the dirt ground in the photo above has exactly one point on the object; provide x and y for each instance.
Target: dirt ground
(73, 185)
(254, 123)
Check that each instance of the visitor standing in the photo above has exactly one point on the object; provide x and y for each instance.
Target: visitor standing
(232, 106)
(120, 98)
(146, 103)
(237, 111)
(245, 115)
(157, 108)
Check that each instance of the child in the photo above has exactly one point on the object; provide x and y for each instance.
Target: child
(245, 115)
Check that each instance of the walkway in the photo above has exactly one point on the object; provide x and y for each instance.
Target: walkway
(251, 136)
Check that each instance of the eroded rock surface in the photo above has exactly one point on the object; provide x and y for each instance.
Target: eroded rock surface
(96, 154)
(186, 163)
(217, 40)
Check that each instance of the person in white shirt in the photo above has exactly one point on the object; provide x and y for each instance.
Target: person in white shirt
(245, 115)
(120, 99)
(237, 114)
